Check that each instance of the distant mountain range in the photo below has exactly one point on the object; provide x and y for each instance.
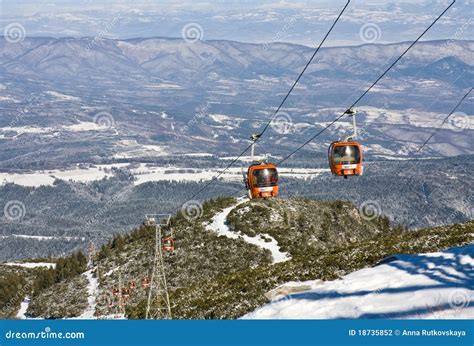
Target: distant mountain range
(180, 61)
(120, 97)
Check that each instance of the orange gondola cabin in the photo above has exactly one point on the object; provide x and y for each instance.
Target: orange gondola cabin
(345, 158)
(262, 180)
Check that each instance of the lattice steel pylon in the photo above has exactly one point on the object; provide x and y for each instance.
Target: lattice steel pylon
(158, 301)
(91, 254)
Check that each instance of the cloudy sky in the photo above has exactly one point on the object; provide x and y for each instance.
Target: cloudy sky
(302, 22)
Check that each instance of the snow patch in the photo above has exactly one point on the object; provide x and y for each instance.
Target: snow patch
(21, 314)
(42, 237)
(62, 97)
(83, 126)
(47, 178)
(31, 264)
(145, 173)
(219, 225)
(262, 157)
(92, 292)
(427, 286)
(131, 148)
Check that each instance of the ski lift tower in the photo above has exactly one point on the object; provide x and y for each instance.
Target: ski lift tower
(91, 254)
(158, 301)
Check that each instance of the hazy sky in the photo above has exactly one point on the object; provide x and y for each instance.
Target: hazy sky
(301, 22)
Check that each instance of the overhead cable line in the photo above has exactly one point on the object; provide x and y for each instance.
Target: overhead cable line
(258, 136)
(444, 121)
(368, 89)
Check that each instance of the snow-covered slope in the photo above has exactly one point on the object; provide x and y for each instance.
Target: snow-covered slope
(219, 225)
(92, 291)
(431, 286)
(31, 264)
(21, 314)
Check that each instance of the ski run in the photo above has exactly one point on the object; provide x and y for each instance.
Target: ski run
(21, 314)
(92, 292)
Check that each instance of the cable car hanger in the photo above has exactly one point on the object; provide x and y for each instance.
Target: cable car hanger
(254, 137)
(352, 113)
(345, 156)
(261, 179)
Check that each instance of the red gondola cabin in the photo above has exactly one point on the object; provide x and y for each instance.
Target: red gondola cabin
(145, 282)
(168, 244)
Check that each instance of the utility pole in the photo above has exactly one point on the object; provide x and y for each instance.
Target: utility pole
(121, 300)
(158, 301)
